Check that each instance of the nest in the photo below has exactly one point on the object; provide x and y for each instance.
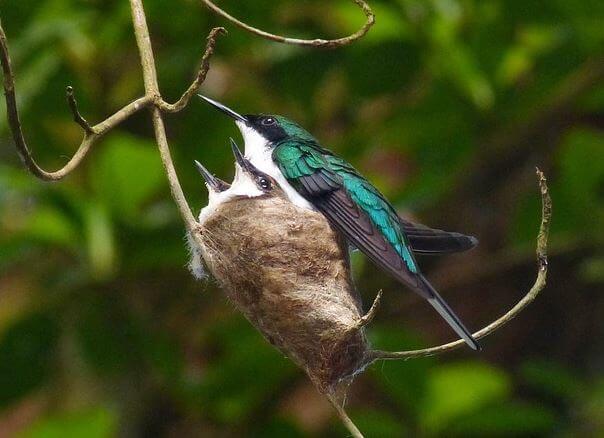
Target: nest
(288, 272)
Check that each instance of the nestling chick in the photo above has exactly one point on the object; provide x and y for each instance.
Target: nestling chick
(286, 270)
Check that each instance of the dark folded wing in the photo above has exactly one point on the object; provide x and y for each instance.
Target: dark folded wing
(325, 189)
(425, 240)
(346, 216)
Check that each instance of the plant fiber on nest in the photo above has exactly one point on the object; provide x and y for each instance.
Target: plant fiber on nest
(289, 273)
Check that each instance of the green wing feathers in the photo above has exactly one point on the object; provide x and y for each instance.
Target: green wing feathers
(362, 214)
(298, 160)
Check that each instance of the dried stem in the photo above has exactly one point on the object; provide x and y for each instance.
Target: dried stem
(204, 67)
(368, 317)
(546, 214)
(91, 133)
(346, 421)
(319, 43)
(77, 117)
(143, 41)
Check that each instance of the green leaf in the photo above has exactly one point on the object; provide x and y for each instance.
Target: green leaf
(107, 338)
(276, 428)
(31, 80)
(510, 419)
(533, 42)
(581, 163)
(100, 422)
(100, 241)
(127, 174)
(403, 381)
(390, 25)
(552, 379)
(591, 408)
(375, 423)
(247, 372)
(458, 389)
(592, 269)
(50, 225)
(26, 351)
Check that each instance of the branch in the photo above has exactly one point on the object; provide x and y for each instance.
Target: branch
(368, 317)
(77, 117)
(319, 43)
(346, 421)
(91, 133)
(143, 41)
(546, 214)
(201, 74)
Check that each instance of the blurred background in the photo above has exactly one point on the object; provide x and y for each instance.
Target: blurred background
(447, 105)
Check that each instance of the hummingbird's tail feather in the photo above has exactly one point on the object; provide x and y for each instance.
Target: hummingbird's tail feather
(448, 315)
(431, 241)
(440, 242)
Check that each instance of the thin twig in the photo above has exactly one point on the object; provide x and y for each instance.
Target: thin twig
(546, 214)
(346, 421)
(91, 133)
(201, 74)
(77, 117)
(141, 31)
(319, 43)
(368, 317)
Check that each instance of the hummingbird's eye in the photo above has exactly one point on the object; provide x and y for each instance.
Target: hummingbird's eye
(268, 121)
(264, 183)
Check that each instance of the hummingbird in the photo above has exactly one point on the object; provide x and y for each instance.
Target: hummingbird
(313, 177)
(286, 269)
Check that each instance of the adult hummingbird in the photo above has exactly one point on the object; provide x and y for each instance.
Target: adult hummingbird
(315, 178)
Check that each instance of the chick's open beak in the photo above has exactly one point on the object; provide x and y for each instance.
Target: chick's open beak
(214, 184)
(243, 162)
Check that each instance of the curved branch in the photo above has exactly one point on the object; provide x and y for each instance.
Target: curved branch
(546, 214)
(346, 421)
(319, 43)
(199, 78)
(91, 133)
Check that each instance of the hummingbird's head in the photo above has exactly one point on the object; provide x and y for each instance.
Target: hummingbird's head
(263, 129)
(252, 180)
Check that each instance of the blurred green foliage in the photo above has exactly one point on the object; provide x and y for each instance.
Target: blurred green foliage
(446, 104)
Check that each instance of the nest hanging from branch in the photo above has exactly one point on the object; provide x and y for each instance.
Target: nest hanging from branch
(288, 272)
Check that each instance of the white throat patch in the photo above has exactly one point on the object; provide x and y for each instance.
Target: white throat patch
(258, 151)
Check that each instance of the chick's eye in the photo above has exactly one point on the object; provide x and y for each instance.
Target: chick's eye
(268, 121)
(264, 183)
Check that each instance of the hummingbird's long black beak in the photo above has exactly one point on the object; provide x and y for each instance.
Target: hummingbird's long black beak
(215, 184)
(229, 112)
(243, 162)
